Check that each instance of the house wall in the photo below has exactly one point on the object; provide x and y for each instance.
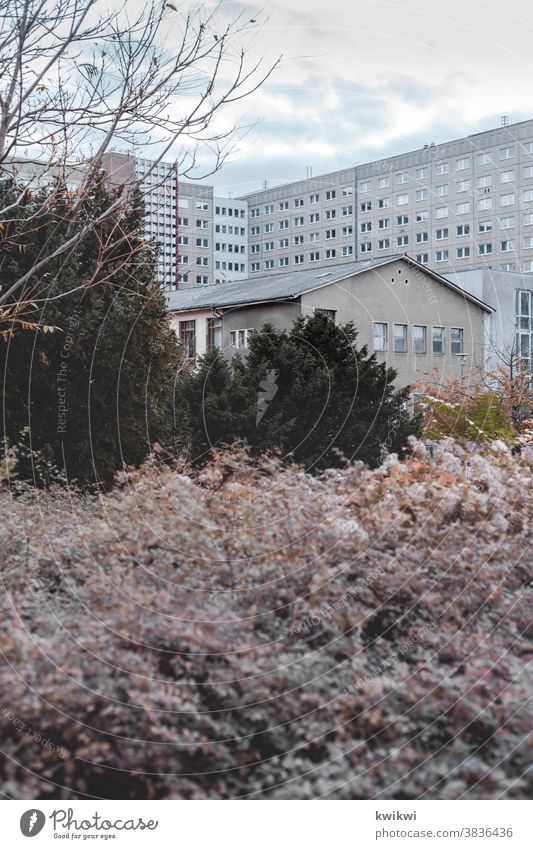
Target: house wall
(399, 293)
(280, 315)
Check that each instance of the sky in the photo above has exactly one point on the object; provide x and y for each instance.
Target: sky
(372, 78)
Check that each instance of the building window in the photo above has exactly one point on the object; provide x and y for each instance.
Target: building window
(314, 237)
(269, 209)
(347, 250)
(402, 241)
(422, 173)
(331, 213)
(463, 208)
(365, 187)
(299, 259)
(441, 256)
(330, 234)
(462, 253)
(400, 338)
(314, 256)
(420, 339)
(401, 200)
(422, 194)
(383, 182)
(421, 237)
(442, 233)
(314, 218)
(423, 259)
(506, 152)
(507, 200)
(438, 340)
(187, 336)
(299, 222)
(484, 159)
(214, 333)
(441, 191)
(283, 205)
(456, 340)
(442, 212)
(331, 314)
(255, 231)
(401, 178)
(347, 191)
(423, 215)
(484, 249)
(380, 336)
(383, 244)
(384, 203)
(283, 261)
(524, 327)
(255, 249)
(298, 202)
(332, 194)
(366, 227)
(383, 223)
(508, 222)
(298, 240)
(462, 164)
(314, 198)
(269, 265)
(484, 226)
(402, 220)
(507, 245)
(269, 228)
(527, 171)
(507, 177)
(366, 206)
(284, 243)
(284, 224)
(484, 182)
(365, 247)
(463, 230)
(347, 210)
(508, 266)
(269, 246)
(255, 213)
(462, 186)
(484, 203)
(347, 231)
(441, 168)
(254, 266)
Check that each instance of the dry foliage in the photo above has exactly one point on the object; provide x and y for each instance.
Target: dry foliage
(254, 631)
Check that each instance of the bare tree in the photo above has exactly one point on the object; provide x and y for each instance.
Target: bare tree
(77, 82)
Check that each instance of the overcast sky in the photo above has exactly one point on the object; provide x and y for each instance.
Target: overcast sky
(366, 79)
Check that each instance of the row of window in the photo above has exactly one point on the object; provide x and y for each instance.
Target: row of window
(299, 259)
(201, 279)
(200, 243)
(461, 208)
(230, 229)
(230, 211)
(461, 164)
(346, 230)
(221, 265)
(201, 223)
(298, 203)
(183, 259)
(419, 338)
(231, 249)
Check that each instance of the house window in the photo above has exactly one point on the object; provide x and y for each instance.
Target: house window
(283, 261)
(366, 247)
(347, 231)
(421, 237)
(366, 227)
(384, 203)
(347, 250)
(380, 336)
(383, 223)
(402, 220)
(463, 230)
(347, 191)
(423, 215)
(423, 259)
(187, 336)
(331, 314)
(383, 244)
(283, 205)
(484, 226)
(298, 202)
(400, 338)
(269, 209)
(214, 333)
(402, 241)
(442, 233)
(484, 249)
(239, 338)
(438, 340)
(299, 259)
(462, 253)
(456, 340)
(314, 256)
(314, 198)
(507, 245)
(420, 339)
(441, 256)
(366, 206)
(331, 194)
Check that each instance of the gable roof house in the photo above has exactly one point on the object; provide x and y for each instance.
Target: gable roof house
(415, 320)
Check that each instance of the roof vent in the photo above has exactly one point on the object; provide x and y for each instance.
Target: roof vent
(324, 274)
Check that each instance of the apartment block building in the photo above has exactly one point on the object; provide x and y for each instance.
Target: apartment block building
(230, 251)
(464, 204)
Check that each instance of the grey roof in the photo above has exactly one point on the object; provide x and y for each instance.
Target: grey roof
(289, 285)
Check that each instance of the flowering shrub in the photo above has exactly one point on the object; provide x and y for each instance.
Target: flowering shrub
(253, 631)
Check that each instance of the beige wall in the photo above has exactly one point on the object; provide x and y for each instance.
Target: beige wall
(398, 293)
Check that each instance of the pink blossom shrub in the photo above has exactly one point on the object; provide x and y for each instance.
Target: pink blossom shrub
(260, 633)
